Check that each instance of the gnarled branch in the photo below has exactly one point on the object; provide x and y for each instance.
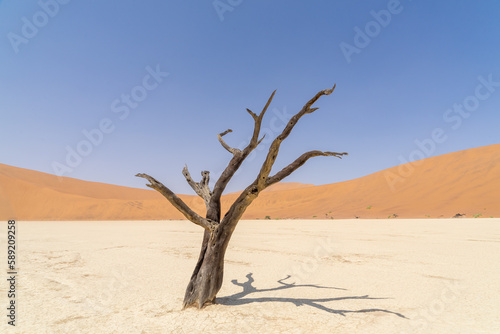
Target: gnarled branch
(178, 203)
(263, 180)
(275, 145)
(234, 151)
(201, 188)
(237, 159)
(254, 116)
(258, 122)
(298, 163)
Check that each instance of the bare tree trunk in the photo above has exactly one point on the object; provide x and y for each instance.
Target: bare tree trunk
(207, 276)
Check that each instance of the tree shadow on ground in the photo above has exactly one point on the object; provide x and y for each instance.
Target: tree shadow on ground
(248, 288)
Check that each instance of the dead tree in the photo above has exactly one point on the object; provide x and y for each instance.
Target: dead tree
(206, 279)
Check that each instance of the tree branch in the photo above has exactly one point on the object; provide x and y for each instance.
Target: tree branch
(234, 151)
(258, 122)
(237, 159)
(298, 163)
(201, 188)
(252, 191)
(275, 145)
(308, 105)
(261, 139)
(254, 116)
(263, 180)
(178, 203)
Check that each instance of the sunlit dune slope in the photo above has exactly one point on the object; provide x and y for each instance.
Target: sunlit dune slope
(466, 182)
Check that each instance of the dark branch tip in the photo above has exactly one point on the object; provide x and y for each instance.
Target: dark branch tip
(261, 139)
(261, 115)
(336, 154)
(329, 91)
(272, 95)
(225, 132)
(254, 116)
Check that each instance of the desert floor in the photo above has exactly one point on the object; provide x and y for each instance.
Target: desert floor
(335, 276)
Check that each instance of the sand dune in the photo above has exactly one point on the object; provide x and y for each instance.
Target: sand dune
(466, 182)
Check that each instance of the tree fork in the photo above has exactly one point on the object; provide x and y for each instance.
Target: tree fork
(207, 276)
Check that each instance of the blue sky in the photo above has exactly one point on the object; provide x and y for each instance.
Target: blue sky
(68, 68)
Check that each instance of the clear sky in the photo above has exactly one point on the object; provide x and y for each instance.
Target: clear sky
(159, 79)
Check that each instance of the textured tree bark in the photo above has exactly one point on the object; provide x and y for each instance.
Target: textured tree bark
(207, 276)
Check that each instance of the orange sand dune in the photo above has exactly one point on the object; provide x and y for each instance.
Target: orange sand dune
(287, 186)
(465, 182)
